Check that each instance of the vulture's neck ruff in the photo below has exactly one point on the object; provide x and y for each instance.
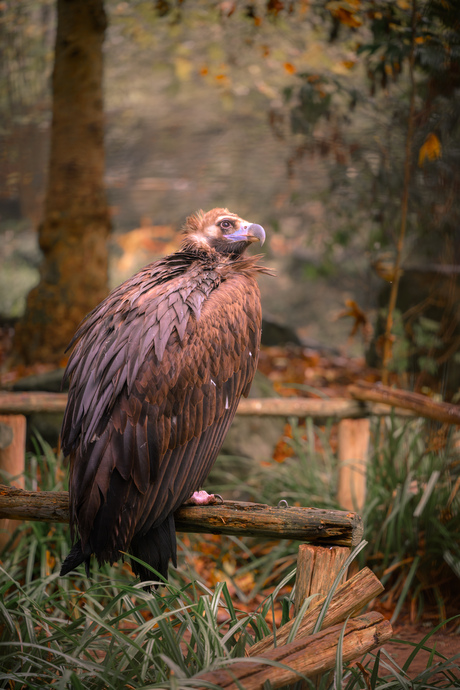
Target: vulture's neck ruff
(220, 231)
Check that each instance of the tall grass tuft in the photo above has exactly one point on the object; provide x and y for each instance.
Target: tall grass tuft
(108, 632)
(115, 635)
(412, 510)
(412, 514)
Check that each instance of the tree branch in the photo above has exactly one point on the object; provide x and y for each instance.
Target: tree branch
(387, 343)
(329, 527)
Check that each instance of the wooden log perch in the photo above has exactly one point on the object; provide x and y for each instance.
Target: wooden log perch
(348, 600)
(329, 527)
(339, 408)
(310, 656)
(416, 403)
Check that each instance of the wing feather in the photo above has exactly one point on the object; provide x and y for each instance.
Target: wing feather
(147, 415)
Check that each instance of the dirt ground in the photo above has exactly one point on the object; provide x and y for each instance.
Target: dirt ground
(445, 641)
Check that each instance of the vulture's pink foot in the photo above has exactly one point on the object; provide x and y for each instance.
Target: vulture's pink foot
(202, 498)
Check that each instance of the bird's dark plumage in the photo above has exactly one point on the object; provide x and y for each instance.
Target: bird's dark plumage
(156, 374)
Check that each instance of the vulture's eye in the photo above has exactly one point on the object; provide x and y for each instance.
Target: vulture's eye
(226, 224)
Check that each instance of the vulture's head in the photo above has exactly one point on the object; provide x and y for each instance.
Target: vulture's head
(222, 231)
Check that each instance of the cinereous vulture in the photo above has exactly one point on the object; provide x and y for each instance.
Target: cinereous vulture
(156, 374)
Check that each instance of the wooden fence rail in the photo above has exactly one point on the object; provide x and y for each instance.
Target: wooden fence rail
(367, 399)
(339, 408)
(352, 414)
(313, 525)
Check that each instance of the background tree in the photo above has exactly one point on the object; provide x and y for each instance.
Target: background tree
(383, 179)
(189, 86)
(74, 231)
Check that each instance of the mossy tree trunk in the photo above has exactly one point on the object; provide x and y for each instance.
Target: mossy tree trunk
(73, 234)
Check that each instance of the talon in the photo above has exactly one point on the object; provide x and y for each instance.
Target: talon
(283, 503)
(202, 498)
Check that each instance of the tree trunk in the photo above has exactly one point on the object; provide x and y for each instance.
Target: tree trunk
(73, 235)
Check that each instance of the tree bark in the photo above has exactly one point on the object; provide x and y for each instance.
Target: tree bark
(349, 599)
(418, 404)
(310, 656)
(317, 568)
(332, 527)
(73, 235)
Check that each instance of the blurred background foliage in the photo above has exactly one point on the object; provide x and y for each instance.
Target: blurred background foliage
(293, 113)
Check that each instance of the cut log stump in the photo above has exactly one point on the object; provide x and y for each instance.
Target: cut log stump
(317, 568)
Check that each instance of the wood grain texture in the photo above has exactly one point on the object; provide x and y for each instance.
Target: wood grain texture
(12, 402)
(317, 568)
(231, 517)
(310, 656)
(349, 599)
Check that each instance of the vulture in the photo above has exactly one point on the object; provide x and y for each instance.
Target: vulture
(155, 376)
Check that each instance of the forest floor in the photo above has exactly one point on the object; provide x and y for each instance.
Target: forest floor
(446, 641)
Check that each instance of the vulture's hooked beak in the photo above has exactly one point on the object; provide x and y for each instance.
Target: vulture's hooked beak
(250, 232)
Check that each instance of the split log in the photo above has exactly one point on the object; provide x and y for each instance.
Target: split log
(310, 656)
(317, 569)
(231, 517)
(416, 403)
(348, 600)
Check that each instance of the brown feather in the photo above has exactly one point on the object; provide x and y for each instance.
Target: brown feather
(156, 373)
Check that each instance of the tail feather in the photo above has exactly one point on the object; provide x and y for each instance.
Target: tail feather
(156, 547)
(76, 557)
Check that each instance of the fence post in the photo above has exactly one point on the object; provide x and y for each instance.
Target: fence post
(353, 440)
(317, 568)
(12, 462)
